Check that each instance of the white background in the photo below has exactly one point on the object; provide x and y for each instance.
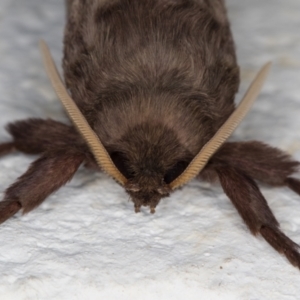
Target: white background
(85, 241)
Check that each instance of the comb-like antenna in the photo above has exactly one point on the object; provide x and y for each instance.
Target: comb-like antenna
(210, 148)
(100, 153)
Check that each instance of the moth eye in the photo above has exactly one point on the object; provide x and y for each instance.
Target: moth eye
(121, 162)
(175, 171)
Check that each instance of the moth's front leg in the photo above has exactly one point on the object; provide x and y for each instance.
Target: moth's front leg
(260, 162)
(36, 136)
(253, 208)
(44, 176)
(6, 148)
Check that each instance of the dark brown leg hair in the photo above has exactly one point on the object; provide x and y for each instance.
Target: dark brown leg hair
(253, 208)
(6, 148)
(35, 136)
(235, 164)
(44, 176)
(62, 151)
(261, 162)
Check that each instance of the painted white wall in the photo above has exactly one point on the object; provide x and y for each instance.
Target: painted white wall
(85, 241)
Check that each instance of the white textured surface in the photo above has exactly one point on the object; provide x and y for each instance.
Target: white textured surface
(85, 241)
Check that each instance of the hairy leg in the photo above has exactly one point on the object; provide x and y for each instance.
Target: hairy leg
(35, 136)
(62, 151)
(44, 176)
(261, 162)
(253, 208)
(6, 148)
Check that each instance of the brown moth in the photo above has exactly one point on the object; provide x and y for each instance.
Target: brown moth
(150, 89)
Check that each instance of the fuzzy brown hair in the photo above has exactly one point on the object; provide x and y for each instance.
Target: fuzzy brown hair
(155, 80)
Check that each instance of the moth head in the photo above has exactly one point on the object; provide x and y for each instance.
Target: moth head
(148, 176)
(148, 186)
(146, 189)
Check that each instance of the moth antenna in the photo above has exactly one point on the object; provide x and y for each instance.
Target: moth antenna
(209, 149)
(101, 155)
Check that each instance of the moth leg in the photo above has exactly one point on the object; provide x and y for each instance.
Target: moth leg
(253, 208)
(44, 176)
(6, 148)
(261, 162)
(35, 136)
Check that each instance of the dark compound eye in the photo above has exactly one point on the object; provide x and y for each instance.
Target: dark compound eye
(175, 171)
(121, 162)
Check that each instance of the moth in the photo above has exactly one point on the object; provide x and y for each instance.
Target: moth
(150, 87)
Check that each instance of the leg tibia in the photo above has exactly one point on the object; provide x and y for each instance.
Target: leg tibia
(43, 177)
(253, 208)
(8, 209)
(247, 198)
(258, 161)
(34, 136)
(6, 148)
(282, 244)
